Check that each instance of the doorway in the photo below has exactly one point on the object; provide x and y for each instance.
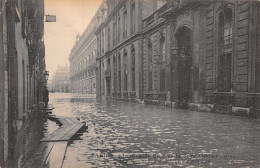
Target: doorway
(184, 63)
(108, 81)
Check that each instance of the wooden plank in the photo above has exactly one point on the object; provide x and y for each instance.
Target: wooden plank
(59, 136)
(65, 120)
(63, 133)
(50, 136)
(49, 147)
(73, 131)
(56, 156)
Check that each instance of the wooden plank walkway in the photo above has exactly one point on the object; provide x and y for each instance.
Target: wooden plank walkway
(64, 120)
(56, 156)
(58, 141)
(64, 133)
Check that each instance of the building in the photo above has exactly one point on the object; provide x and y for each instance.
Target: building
(22, 68)
(198, 54)
(154, 57)
(210, 62)
(61, 79)
(83, 56)
(119, 49)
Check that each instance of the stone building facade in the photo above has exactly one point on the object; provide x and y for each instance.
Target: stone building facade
(119, 49)
(201, 55)
(22, 68)
(83, 57)
(211, 56)
(154, 58)
(61, 79)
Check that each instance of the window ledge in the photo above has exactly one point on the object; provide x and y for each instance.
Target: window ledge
(224, 93)
(149, 92)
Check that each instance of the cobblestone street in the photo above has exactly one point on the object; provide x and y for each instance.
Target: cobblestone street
(138, 135)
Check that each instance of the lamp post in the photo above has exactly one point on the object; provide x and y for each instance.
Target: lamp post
(46, 75)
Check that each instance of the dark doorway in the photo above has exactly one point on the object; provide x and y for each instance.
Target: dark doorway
(108, 81)
(184, 67)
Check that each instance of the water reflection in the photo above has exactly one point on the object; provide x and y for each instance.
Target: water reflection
(139, 135)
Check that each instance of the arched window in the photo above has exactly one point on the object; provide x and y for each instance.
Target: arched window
(108, 37)
(119, 72)
(150, 65)
(133, 67)
(102, 43)
(124, 22)
(225, 19)
(115, 71)
(119, 28)
(125, 69)
(103, 79)
(114, 32)
(133, 17)
(162, 49)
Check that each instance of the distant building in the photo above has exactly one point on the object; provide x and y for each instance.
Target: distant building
(83, 57)
(119, 49)
(61, 80)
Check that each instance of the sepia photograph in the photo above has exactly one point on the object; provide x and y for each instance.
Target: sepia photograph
(129, 83)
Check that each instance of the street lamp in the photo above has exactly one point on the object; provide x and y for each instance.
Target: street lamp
(46, 75)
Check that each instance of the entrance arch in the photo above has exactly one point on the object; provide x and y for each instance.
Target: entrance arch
(184, 64)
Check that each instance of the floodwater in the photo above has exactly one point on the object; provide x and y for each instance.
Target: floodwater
(122, 134)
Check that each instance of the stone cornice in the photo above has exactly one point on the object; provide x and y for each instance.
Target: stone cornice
(109, 18)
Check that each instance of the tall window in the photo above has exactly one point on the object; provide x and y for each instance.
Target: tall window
(119, 29)
(133, 68)
(108, 64)
(125, 23)
(150, 66)
(114, 32)
(98, 44)
(23, 66)
(108, 37)
(132, 17)
(119, 72)
(125, 70)
(225, 50)
(103, 79)
(115, 70)
(225, 20)
(162, 59)
(102, 43)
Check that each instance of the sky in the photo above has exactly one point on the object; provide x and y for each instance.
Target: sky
(72, 17)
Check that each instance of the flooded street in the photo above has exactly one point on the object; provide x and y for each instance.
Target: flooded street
(138, 135)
